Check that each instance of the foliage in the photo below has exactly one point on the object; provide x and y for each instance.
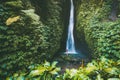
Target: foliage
(11, 20)
(45, 71)
(108, 42)
(38, 31)
(94, 26)
(102, 69)
(24, 38)
(14, 4)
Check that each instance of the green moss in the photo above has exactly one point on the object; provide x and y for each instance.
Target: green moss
(93, 26)
(29, 40)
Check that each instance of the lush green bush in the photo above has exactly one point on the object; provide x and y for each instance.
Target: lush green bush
(102, 69)
(45, 71)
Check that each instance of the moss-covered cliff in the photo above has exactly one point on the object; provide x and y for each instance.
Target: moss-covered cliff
(30, 31)
(98, 25)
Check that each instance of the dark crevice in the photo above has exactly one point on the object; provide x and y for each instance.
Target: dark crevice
(41, 8)
(80, 42)
(114, 11)
(66, 14)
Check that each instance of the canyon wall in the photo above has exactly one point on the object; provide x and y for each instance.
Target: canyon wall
(98, 26)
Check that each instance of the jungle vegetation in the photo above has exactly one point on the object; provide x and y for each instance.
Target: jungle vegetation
(33, 32)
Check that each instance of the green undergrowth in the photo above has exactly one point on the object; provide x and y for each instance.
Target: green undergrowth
(102, 69)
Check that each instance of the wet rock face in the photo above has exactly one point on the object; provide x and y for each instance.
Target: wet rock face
(97, 25)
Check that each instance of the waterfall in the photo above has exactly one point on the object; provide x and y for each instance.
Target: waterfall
(70, 45)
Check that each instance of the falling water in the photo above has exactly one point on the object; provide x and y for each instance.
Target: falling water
(70, 46)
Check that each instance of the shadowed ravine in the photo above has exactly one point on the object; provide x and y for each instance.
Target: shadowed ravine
(71, 58)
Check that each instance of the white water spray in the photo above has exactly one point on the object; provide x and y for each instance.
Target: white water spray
(70, 45)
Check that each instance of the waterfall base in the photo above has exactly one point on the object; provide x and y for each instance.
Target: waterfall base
(70, 53)
(70, 56)
(76, 57)
(70, 60)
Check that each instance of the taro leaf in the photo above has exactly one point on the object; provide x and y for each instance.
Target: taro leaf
(54, 64)
(112, 71)
(99, 77)
(46, 64)
(55, 71)
(38, 71)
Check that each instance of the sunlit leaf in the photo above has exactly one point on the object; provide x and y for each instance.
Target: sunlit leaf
(54, 64)
(99, 77)
(37, 72)
(46, 63)
(9, 21)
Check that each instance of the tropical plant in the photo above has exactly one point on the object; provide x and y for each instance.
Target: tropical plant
(103, 69)
(45, 71)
